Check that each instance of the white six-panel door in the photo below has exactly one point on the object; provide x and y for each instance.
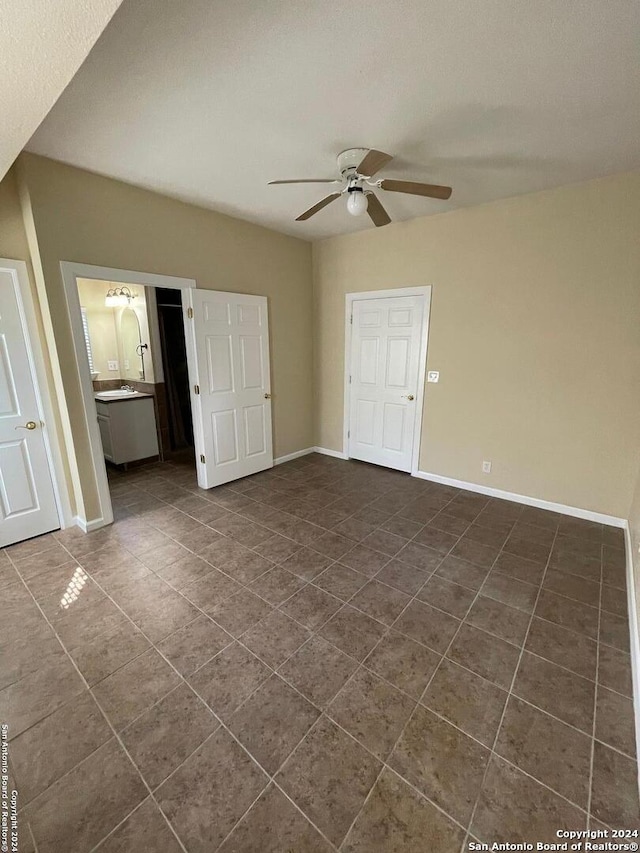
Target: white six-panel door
(384, 369)
(27, 497)
(233, 407)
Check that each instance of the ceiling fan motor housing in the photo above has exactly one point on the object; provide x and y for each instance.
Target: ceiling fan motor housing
(349, 160)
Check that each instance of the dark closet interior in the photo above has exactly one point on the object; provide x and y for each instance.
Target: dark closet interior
(176, 376)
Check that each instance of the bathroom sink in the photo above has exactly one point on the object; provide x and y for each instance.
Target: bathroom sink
(118, 393)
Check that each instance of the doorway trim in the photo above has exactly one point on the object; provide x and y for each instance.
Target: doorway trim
(71, 271)
(350, 298)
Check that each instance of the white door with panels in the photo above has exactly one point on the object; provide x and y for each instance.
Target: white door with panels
(386, 351)
(233, 395)
(27, 498)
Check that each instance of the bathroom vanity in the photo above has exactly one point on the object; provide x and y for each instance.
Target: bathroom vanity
(127, 422)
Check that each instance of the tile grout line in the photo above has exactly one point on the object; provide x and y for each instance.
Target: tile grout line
(272, 781)
(35, 844)
(124, 820)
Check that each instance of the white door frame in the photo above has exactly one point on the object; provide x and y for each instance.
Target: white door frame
(422, 364)
(71, 271)
(52, 441)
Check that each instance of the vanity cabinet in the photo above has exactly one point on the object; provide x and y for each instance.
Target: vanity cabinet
(128, 429)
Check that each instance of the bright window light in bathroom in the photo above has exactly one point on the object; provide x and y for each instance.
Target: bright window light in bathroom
(74, 588)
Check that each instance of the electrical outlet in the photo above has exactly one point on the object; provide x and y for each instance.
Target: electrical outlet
(112, 365)
(433, 376)
(486, 466)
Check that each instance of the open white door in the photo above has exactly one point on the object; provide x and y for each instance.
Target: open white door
(27, 497)
(232, 411)
(388, 350)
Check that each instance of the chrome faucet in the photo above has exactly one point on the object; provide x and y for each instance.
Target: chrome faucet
(126, 388)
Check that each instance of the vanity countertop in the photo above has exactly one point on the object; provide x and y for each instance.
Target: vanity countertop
(117, 396)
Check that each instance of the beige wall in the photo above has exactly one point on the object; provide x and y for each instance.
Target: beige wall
(78, 216)
(13, 239)
(535, 320)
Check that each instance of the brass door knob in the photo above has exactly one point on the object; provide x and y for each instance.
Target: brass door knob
(28, 425)
(409, 396)
(267, 396)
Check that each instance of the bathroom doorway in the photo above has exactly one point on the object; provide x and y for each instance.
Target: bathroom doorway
(227, 350)
(137, 355)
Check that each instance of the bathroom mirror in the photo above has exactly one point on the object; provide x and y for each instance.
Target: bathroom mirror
(133, 348)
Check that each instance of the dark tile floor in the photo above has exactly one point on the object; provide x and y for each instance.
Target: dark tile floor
(326, 656)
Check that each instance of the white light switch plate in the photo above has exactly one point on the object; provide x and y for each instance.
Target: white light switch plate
(112, 365)
(433, 376)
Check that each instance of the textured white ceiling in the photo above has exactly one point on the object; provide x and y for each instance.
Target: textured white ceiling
(207, 100)
(42, 45)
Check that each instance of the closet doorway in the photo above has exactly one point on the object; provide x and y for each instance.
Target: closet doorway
(177, 425)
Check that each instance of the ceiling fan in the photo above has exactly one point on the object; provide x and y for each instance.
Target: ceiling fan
(356, 167)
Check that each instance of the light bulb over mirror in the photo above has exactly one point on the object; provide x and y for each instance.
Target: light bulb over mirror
(117, 297)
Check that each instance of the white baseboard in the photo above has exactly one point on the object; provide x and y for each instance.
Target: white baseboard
(335, 453)
(634, 633)
(296, 455)
(89, 526)
(576, 512)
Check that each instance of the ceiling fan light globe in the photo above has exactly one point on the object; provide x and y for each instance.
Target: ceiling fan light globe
(357, 203)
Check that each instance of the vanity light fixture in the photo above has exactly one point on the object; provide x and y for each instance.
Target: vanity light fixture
(118, 296)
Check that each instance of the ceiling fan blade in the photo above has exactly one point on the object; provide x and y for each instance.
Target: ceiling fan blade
(413, 188)
(372, 162)
(316, 207)
(307, 181)
(376, 211)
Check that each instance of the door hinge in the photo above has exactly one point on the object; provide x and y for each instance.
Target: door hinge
(351, 319)
(202, 459)
(190, 313)
(196, 388)
(348, 433)
(349, 380)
